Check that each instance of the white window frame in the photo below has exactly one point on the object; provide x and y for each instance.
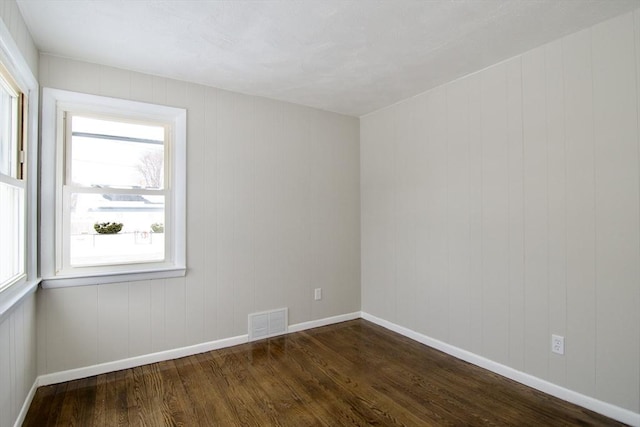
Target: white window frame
(16, 177)
(56, 274)
(13, 60)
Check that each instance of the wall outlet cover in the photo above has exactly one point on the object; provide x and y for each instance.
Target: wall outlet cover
(557, 344)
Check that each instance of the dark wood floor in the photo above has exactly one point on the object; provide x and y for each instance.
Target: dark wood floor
(352, 373)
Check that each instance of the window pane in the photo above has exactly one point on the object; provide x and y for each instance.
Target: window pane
(135, 242)
(8, 141)
(11, 230)
(115, 154)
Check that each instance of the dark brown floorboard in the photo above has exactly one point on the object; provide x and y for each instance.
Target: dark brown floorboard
(352, 373)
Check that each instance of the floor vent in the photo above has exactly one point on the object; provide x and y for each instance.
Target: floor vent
(267, 324)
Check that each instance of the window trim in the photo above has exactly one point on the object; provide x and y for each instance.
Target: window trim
(52, 157)
(16, 176)
(13, 60)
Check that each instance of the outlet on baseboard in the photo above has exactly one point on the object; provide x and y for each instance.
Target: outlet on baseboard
(317, 294)
(557, 344)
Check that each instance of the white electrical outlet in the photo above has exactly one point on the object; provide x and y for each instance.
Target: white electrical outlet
(317, 295)
(557, 344)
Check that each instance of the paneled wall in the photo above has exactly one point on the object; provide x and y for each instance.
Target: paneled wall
(17, 358)
(12, 19)
(273, 212)
(504, 207)
(18, 325)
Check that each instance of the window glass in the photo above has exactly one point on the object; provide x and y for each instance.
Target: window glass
(8, 130)
(139, 239)
(12, 230)
(107, 153)
(114, 203)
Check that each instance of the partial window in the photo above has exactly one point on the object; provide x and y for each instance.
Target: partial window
(119, 193)
(13, 225)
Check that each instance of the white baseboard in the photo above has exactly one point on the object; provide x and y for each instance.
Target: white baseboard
(27, 403)
(323, 322)
(132, 362)
(604, 408)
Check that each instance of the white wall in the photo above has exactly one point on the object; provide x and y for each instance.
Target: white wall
(18, 324)
(17, 358)
(12, 19)
(504, 207)
(273, 212)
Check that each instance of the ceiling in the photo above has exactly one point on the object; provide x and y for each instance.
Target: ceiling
(347, 56)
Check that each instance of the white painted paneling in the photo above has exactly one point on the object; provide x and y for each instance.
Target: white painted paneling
(474, 286)
(158, 318)
(422, 206)
(516, 337)
(139, 325)
(580, 202)
(293, 193)
(458, 205)
(406, 221)
(175, 315)
(159, 86)
(7, 389)
(265, 225)
(540, 177)
(196, 215)
(435, 112)
(210, 231)
(29, 313)
(12, 19)
(113, 321)
(142, 87)
(71, 338)
(495, 210)
(536, 224)
(557, 212)
(268, 284)
(85, 78)
(17, 358)
(113, 82)
(241, 140)
(617, 212)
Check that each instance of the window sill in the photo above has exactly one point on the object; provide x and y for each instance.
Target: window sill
(98, 279)
(14, 294)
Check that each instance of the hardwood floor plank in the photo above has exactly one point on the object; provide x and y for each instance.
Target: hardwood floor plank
(269, 387)
(353, 373)
(352, 381)
(68, 406)
(99, 413)
(43, 403)
(56, 406)
(230, 388)
(196, 390)
(312, 392)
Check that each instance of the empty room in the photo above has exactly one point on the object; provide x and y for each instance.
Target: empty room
(319, 212)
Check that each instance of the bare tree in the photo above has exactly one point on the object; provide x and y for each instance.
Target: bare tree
(150, 167)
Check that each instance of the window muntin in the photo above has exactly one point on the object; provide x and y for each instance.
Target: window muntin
(115, 173)
(13, 224)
